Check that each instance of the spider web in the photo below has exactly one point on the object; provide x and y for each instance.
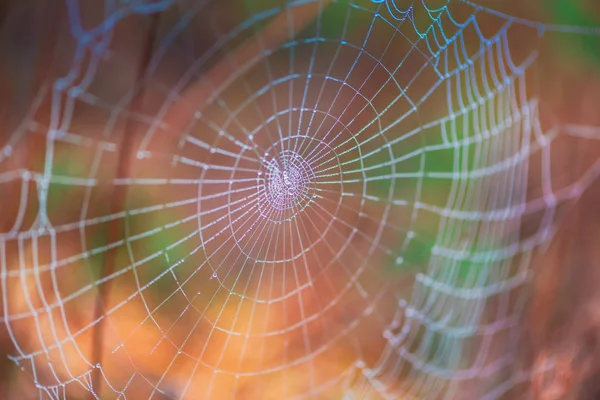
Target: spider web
(238, 214)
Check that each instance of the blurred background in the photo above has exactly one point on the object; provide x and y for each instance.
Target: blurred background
(327, 199)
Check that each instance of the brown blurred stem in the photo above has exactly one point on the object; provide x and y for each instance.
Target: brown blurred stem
(273, 35)
(117, 203)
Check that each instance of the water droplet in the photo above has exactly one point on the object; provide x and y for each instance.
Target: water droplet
(214, 275)
(75, 91)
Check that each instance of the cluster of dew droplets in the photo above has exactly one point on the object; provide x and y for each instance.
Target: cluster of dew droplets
(287, 181)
